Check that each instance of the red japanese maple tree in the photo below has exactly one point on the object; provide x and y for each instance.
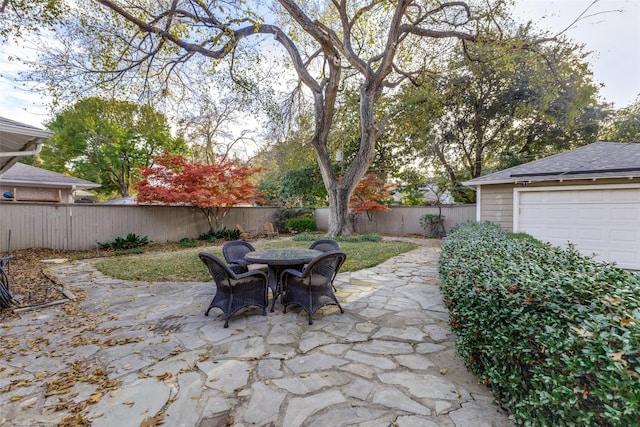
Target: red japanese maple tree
(369, 195)
(214, 189)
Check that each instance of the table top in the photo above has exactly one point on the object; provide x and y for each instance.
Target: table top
(282, 256)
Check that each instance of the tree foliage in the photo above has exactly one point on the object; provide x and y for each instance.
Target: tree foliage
(214, 188)
(371, 194)
(106, 140)
(302, 187)
(20, 18)
(625, 125)
(496, 106)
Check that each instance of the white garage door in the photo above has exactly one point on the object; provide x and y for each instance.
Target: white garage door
(605, 222)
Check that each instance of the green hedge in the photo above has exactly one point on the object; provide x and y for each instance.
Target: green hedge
(555, 334)
(299, 225)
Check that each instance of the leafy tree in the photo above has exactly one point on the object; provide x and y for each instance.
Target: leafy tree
(370, 195)
(214, 189)
(625, 125)
(412, 187)
(302, 187)
(105, 141)
(496, 106)
(19, 18)
(370, 46)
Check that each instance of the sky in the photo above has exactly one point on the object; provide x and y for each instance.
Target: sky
(610, 29)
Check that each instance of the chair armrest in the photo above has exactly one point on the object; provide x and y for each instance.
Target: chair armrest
(292, 271)
(252, 273)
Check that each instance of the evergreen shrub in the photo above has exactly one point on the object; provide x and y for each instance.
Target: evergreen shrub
(555, 334)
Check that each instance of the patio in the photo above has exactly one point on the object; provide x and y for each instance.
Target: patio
(135, 351)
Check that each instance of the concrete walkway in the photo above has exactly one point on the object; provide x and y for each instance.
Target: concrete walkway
(130, 352)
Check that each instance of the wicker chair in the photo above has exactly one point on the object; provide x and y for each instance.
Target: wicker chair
(312, 288)
(325, 245)
(235, 291)
(234, 253)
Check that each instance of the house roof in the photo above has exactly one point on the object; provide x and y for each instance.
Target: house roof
(597, 160)
(19, 140)
(22, 175)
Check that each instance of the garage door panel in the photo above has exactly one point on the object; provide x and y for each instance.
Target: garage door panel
(589, 234)
(587, 197)
(624, 236)
(625, 213)
(601, 221)
(595, 213)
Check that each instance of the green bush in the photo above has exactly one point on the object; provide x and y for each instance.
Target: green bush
(554, 333)
(131, 241)
(224, 234)
(187, 243)
(288, 213)
(299, 225)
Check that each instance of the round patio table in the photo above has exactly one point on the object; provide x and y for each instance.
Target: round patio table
(278, 260)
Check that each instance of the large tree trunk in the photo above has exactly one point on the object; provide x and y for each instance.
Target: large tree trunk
(340, 190)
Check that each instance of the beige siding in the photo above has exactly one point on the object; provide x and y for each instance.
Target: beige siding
(404, 219)
(496, 205)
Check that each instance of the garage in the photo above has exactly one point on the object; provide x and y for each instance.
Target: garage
(589, 196)
(604, 221)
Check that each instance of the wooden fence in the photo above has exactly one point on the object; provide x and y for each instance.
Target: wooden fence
(80, 226)
(403, 220)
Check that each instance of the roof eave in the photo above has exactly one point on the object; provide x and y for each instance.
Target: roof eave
(556, 179)
(20, 183)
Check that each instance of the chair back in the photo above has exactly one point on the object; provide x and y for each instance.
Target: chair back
(268, 227)
(325, 245)
(236, 250)
(323, 269)
(218, 269)
(240, 228)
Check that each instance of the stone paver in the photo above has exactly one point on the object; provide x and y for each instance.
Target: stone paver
(132, 351)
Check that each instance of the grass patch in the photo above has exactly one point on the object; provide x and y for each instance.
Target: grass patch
(185, 266)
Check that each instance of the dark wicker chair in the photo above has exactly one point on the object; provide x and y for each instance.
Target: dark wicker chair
(235, 291)
(234, 253)
(312, 288)
(325, 245)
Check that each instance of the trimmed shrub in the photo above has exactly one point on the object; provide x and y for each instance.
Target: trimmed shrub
(555, 334)
(298, 225)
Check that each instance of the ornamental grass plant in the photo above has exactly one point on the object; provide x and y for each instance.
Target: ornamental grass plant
(555, 334)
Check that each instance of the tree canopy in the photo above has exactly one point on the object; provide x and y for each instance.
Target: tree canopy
(106, 140)
(213, 188)
(624, 125)
(495, 106)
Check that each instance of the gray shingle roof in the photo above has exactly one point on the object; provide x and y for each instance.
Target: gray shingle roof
(597, 160)
(24, 175)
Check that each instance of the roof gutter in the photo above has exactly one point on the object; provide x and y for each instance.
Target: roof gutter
(39, 143)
